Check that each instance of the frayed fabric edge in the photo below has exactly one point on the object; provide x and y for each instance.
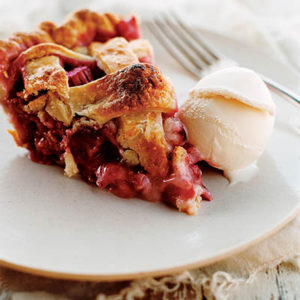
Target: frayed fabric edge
(218, 285)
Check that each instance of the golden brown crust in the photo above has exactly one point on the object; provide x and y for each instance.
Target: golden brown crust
(27, 40)
(59, 110)
(140, 47)
(143, 133)
(82, 27)
(59, 66)
(137, 88)
(79, 29)
(47, 49)
(19, 42)
(140, 134)
(135, 93)
(113, 55)
(41, 69)
(53, 105)
(37, 104)
(36, 52)
(10, 49)
(44, 74)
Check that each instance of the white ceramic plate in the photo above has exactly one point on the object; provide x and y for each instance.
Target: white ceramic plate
(62, 227)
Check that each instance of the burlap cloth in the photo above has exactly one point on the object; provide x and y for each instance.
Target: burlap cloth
(217, 281)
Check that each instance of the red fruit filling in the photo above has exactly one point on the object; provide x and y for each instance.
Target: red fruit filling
(179, 185)
(128, 29)
(92, 148)
(96, 151)
(146, 59)
(79, 76)
(41, 136)
(98, 158)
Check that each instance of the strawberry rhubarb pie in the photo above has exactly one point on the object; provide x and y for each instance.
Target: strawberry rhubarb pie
(87, 96)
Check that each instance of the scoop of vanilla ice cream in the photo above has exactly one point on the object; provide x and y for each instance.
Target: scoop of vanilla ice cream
(229, 116)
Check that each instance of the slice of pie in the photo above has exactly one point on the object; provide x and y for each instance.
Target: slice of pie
(86, 96)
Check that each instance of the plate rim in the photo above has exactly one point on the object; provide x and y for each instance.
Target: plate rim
(176, 269)
(160, 272)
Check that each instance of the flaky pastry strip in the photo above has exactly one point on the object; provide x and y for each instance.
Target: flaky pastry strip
(79, 29)
(28, 63)
(82, 27)
(117, 53)
(137, 88)
(10, 49)
(46, 49)
(114, 54)
(143, 133)
(44, 74)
